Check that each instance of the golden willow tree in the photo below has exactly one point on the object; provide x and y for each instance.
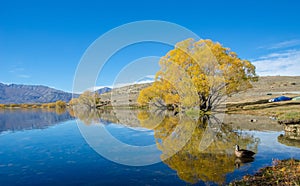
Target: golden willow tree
(197, 74)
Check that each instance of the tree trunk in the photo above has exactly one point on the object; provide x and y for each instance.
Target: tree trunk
(206, 105)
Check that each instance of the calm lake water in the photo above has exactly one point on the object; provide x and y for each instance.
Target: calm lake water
(46, 148)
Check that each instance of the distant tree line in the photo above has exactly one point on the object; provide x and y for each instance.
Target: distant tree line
(87, 100)
(58, 104)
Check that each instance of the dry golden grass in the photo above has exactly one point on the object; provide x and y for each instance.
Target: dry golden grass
(268, 87)
(283, 172)
(264, 109)
(255, 100)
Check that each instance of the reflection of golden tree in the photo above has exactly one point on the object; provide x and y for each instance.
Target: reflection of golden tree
(60, 110)
(90, 115)
(197, 149)
(85, 107)
(86, 115)
(57, 110)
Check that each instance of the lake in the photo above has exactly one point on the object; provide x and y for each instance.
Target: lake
(41, 147)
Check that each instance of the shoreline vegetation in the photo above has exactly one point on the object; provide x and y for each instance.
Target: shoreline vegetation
(58, 104)
(286, 112)
(282, 172)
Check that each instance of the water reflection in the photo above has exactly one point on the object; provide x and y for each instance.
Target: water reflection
(125, 117)
(208, 154)
(23, 119)
(50, 156)
(242, 161)
(197, 148)
(291, 136)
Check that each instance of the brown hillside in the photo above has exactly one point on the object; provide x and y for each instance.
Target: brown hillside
(265, 88)
(268, 87)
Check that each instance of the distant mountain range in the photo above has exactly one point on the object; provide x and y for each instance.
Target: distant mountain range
(103, 90)
(14, 93)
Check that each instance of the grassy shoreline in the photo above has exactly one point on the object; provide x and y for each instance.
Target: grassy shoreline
(57, 104)
(282, 110)
(282, 172)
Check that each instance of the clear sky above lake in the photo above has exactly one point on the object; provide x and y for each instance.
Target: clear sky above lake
(41, 42)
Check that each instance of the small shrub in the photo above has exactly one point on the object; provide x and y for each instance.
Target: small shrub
(51, 105)
(13, 105)
(60, 104)
(25, 106)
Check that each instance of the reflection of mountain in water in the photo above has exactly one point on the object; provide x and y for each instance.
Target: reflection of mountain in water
(15, 120)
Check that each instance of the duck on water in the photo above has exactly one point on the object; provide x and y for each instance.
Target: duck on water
(242, 153)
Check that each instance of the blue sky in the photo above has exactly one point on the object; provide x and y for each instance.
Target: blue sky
(42, 42)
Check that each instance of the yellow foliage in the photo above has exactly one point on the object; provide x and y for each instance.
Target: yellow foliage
(24, 105)
(60, 110)
(34, 106)
(181, 140)
(73, 101)
(51, 105)
(198, 74)
(60, 104)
